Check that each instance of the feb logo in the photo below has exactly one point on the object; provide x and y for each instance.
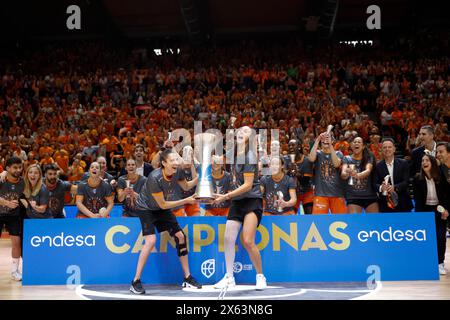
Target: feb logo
(237, 267)
(208, 268)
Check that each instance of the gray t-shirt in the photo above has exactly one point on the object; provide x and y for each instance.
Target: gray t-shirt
(94, 198)
(56, 197)
(361, 188)
(179, 192)
(271, 189)
(305, 177)
(250, 166)
(129, 205)
(221, 186)
(41, 198)
(327, 180)
(158, 183)
(11, 191)
(188, 177)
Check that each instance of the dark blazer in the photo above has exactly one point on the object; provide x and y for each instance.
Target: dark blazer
(147, 170)
(401, 180)
(420, 192)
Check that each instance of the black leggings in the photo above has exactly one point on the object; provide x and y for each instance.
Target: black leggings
(441, 232)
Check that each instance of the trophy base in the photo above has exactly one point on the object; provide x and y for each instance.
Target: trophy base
(205, 200)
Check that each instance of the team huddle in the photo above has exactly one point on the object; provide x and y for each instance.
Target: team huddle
(318, 182)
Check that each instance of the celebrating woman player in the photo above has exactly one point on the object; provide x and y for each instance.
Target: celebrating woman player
(36, 195)
(245, 210)
(154, 211)
(221, 185)
(357, 168)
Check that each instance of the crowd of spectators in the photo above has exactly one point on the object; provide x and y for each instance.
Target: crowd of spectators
(68, 105)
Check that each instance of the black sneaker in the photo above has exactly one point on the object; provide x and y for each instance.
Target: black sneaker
(136, 287)
(190, 282)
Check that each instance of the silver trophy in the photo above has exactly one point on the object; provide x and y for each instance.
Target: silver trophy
(204, 146)
(329, 128)
(128, 186)
(280, 197)
(187, 154)
(292, 157)
(386, 180)
(351, 182)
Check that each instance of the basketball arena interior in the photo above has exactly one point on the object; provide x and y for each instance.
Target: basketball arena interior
(214, 150)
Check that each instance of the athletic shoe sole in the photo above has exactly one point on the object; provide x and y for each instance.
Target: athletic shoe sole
(229, 286)
(135, 291)
(188, 285)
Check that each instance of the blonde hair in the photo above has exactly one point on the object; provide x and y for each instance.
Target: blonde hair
(29, 190)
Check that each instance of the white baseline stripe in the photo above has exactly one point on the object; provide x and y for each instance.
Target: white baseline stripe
(80, 291)
(371, 292)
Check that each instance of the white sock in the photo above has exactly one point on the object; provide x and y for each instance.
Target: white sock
(231, 232)
(15, 264)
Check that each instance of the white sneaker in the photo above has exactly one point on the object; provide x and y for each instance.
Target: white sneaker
(442, 270)
(227, 281)
(16, 275)
(261, 282)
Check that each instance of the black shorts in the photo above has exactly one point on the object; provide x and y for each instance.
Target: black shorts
(13, 225)
(240, 208)
(364, 203)
(162, 220)
(130, 214)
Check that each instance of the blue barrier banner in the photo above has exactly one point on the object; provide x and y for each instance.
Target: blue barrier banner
(301, 248)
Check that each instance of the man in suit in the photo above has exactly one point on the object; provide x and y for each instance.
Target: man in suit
(398, 170)
(426, 139)
(142, 168)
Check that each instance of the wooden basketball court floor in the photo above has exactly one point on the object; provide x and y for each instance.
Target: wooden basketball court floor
(399, 290)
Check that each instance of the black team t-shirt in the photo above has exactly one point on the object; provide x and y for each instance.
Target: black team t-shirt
(271, 189)
(11, 191)
(158, 183)
(94, 198)
(129, 206)
(41, 198)
(361, 188)
(56, 197)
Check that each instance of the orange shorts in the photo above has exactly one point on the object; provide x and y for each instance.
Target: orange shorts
(192, 209)
(304, 198)
(334, 204)
(288, 213)
(179, 212)
(218, 212)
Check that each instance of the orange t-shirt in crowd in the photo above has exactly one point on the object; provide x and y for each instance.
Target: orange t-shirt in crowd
(127, 150)
(62, 159)
(343, 146)
(376, 150)
(396, 116)
(46, 161)
(111, 143)
(76, 174)
(44, 150)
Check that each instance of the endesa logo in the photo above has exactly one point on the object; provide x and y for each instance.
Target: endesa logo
(63, 240)
(391, 235)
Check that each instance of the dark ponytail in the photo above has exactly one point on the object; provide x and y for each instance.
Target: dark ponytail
(367, 157)
(164, 155)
